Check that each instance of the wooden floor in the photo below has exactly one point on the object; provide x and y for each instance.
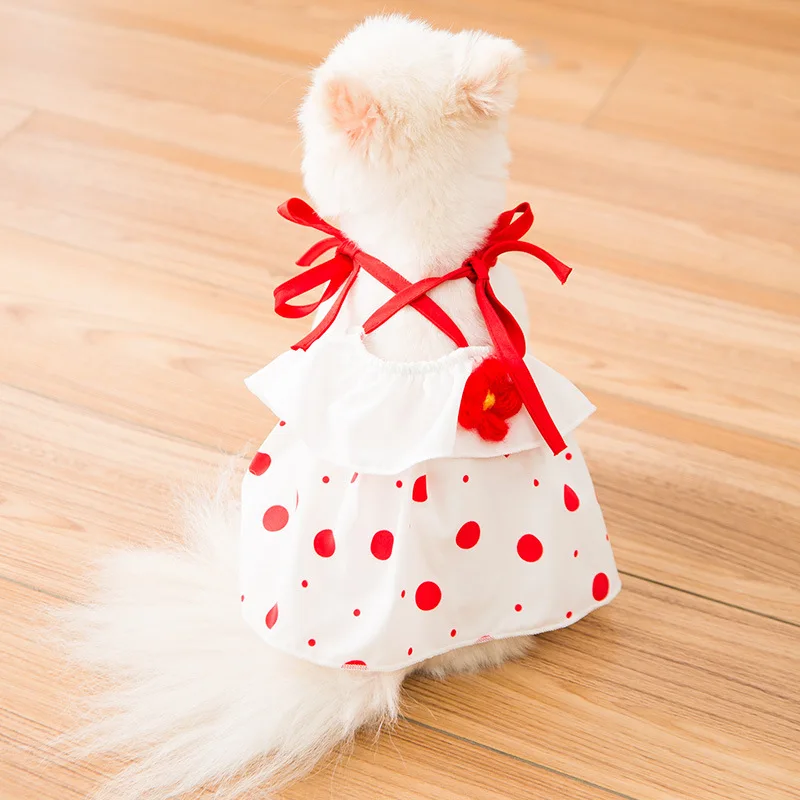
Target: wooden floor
(144, 145)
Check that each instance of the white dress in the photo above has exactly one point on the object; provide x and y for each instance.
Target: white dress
(377, 532)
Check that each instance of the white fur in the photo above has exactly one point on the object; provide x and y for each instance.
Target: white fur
(420, 191)
(195, 697)
(412, 160)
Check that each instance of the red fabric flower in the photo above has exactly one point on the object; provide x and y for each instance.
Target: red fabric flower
(490, 398)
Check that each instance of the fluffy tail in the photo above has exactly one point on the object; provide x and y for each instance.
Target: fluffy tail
(195, 696)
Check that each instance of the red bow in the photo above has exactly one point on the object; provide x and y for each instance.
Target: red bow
(340, 272)
(506, 335)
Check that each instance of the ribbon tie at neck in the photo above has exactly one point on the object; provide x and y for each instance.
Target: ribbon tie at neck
(339, 273)
(341, 270)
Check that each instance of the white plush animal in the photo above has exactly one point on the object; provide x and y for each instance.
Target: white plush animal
(405, 147)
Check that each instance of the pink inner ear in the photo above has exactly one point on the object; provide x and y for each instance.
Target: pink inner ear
(352, 107)
(484, 93)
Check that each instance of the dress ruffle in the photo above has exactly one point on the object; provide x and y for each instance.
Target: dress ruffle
(381, 417)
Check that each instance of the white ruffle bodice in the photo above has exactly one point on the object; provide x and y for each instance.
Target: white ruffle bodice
(354, 409)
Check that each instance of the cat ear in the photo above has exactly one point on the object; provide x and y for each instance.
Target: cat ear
(352, 108)
(487, 73)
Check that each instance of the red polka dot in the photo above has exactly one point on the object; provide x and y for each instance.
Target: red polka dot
(428, 596)
(403, 593)
(272, 616)
(410, 650)
(353, 479)
(465, 479)
(419, 494)
(312, 642)
(453, 632)
(571, 500)
(468, 535)
(275, 518)
(325, 544)
(399, 484)
(304, 584)
(382, 544)
(296, 500)
(569, 614)
(575, 554)
(529, 548)
(485, 638)
(282, 423)
(535, 482)
(506, 455)
(606, 537)
(354, 665)
(517, 607)
(357, 612)
(326, 479)
(568, 456)
(243, 598)
(600, 586)
(260, 463)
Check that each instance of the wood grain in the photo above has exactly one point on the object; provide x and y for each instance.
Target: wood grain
(11, 117)
(703, 706)
(570, 70)
(143, 149)
(736, 105)
(411, 761)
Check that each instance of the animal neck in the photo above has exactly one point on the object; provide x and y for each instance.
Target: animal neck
(421, 228)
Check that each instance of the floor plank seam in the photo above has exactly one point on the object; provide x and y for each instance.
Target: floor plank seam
(36, 589)
(706, 422)
(19, 126)
(612, 87)
(92, 19)
(520, 759)
(699, 596)
(139, 427)
(144, 266)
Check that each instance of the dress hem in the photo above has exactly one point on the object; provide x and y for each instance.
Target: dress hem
(566, 623)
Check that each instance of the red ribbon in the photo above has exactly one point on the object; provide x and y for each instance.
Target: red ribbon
(341, 270)
(340, 273)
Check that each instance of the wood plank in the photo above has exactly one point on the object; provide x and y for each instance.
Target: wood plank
(773, 24)
(592, 210)
(11, 117)
(75, 484)
(668, 349)
(142, 205)
(718, 264)
(711, 104)
(696, 518)
(408, 762)
(570, 70)
(159, 106)
(658, 696)
(149, 86)
(742, 203)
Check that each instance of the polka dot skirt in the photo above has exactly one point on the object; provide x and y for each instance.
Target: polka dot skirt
(369, 572)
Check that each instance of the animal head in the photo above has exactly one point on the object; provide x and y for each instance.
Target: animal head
(410, 122)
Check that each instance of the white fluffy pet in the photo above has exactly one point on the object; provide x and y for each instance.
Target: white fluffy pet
(405, 146)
